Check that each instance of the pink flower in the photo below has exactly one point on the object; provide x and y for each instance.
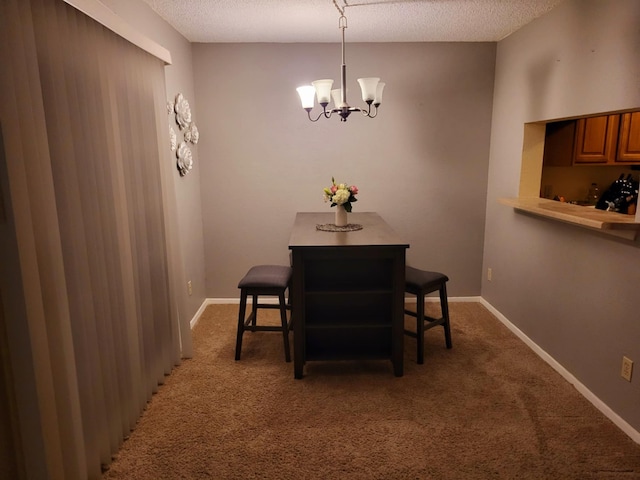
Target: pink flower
(334, 189)
(353, 189)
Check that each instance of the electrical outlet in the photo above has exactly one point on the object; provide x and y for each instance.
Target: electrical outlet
(489, 272)
(627, 368)
(190, 287)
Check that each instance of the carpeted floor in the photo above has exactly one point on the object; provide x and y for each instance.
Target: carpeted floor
(487, 409)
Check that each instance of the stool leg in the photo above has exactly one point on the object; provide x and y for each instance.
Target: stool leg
(254, 311)
(420, 326)
(285, 327)
(241, 314)
(444, 305)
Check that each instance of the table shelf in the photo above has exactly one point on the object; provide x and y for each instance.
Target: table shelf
(347, 291)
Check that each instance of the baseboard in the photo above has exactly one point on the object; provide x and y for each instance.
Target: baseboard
(584, 391)
(199, 313)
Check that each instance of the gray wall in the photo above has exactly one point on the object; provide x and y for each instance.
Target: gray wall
(179, 79)
(573, 292)
(422, 163)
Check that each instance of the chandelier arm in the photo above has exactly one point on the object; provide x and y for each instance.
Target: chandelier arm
(343, 109)
(368, 113)
(313, 120)
(326, 113)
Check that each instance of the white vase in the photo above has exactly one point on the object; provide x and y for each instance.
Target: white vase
(341, 216)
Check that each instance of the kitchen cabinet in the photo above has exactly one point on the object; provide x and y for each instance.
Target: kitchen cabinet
(629, 139)
(598, 141)
(595, 140)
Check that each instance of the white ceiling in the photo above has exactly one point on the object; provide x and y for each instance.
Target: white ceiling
(287, 21)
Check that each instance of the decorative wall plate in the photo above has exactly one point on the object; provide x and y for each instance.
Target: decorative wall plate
(183, 111)
(189, 130)
(185, 158)
(191, 133)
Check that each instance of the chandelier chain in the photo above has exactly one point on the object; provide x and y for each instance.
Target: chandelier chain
(371, 87)
(339, 8)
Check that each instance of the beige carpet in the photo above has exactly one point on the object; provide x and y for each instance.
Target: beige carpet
(487, 409)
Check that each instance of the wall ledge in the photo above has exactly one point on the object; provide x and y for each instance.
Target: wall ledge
(610, 223)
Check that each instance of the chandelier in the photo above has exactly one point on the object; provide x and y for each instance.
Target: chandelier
(371, 88)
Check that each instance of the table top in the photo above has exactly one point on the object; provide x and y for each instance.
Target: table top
(375, 231)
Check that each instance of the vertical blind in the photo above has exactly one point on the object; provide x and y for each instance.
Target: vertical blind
(104, 105)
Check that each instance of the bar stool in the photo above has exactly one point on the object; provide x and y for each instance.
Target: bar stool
(264, 280)
(420, 283)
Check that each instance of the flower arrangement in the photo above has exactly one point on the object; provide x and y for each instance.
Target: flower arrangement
(341, 194)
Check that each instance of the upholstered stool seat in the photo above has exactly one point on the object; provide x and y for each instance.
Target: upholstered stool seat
(264, 280)
(420, 283)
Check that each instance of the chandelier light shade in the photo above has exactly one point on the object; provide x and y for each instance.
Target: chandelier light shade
(321, 90)
(307, 94)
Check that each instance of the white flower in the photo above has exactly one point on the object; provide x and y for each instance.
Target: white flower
(341, 196)
(183, 111)
(185, 158)
(169, 108)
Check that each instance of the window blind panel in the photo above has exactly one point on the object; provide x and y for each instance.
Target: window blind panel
(140, 215)
(101, 99)
(40, 346)
(120, 301)
(56, 52)
(125, 327)
(123, 121)
(96, 200)
(125, 331)
(156, 223)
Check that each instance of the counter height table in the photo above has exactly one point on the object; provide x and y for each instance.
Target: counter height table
(347, 292)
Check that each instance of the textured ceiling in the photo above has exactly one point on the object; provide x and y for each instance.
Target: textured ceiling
(368, 20)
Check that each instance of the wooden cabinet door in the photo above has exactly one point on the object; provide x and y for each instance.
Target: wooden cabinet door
(596, 139)
(629, 138)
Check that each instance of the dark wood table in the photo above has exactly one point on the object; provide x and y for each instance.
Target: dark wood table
(347, 293)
